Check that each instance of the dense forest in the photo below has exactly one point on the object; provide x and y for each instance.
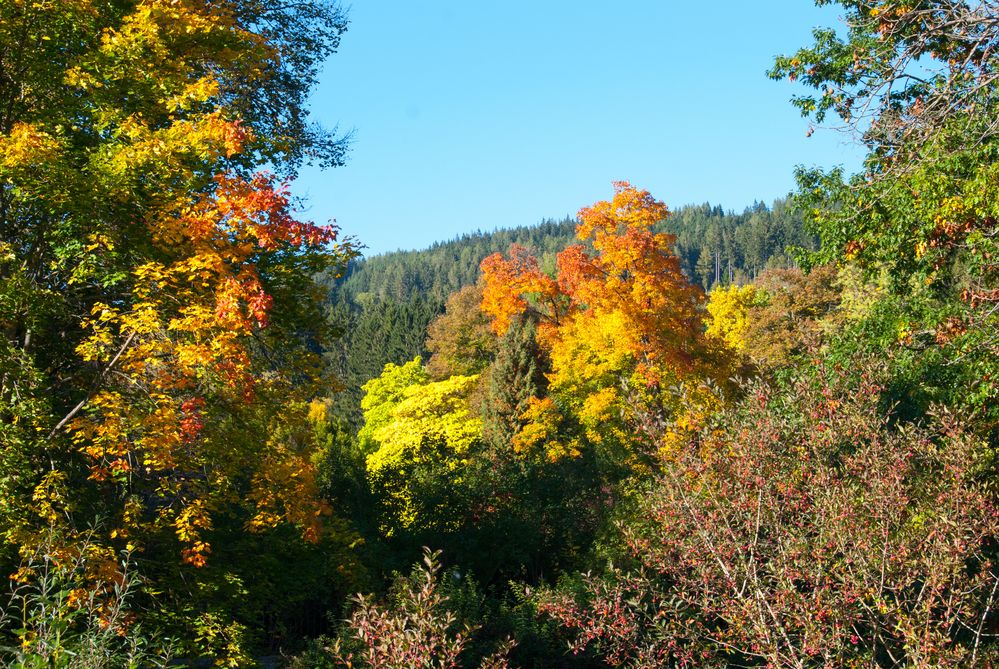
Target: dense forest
(639, 437)
(383, 305)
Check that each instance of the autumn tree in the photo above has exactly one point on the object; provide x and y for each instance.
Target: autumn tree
(791, 312)
(421, 433)
(383, 394)
(157, 301)
(728, 314)
(460, 340)
(621, 314)
(829, 519)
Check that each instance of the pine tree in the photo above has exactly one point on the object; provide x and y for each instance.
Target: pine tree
(515, 376)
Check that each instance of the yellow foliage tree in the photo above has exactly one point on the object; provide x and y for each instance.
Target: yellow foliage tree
(422, 436)
(728, 312)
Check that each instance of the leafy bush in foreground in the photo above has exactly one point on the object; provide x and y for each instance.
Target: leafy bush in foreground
(804, 529)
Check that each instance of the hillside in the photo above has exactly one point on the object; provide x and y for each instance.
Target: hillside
(383, 304)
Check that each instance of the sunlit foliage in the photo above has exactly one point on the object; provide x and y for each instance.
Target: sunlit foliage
(728, 311)
(422, 432)
(159, 314)
(621, 316)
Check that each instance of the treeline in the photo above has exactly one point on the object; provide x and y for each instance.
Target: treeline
(434, 273)
(716, 247)
(382, 305)
(739, 245)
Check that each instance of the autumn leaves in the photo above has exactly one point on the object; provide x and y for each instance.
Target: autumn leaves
(620, 323)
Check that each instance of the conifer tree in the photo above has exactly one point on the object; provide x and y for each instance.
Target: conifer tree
(516, 375)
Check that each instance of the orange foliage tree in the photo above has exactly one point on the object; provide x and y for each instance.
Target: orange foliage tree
(620, 323)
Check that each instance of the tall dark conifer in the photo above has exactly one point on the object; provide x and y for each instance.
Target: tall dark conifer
(515, 376)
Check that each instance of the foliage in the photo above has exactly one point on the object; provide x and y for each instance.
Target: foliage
(902, 72)
(791, 311)
(624, 313)
(423, 432)
(806, 528)
(514, 377)
(728, 311)
(373, 335)
(445, 267)
(916, 82)
(460, 338)
(70, 608)
(718, 247)
(383, 395)
(415, 630)
(160, 317)
(384, 304)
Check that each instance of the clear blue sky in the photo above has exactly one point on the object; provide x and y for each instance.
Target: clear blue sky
(475, 115)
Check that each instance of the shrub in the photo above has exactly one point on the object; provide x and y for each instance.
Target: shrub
(415, 630)
(805, 528)
(68, 608)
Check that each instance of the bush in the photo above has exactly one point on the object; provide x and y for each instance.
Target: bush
(68, 608)
(805, 528)
(415, 630)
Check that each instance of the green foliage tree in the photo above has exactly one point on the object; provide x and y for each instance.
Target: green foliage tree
(733, 247)
(515, 376)
(916, 83)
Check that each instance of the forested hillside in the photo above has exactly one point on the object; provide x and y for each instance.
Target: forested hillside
(383, 304)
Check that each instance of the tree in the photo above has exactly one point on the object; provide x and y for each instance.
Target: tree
(705, 267)
(383, 394)
(926, 197)
(622, 315)
(728, 311)
(924, 194)
(159, 314)
(421, 433)
(867, 79)
(460, 339)
(790, 313)
(514, 377)
(916, 83)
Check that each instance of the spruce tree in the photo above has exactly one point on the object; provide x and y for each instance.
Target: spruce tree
(516, 375)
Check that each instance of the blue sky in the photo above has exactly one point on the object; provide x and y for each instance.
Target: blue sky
(476, 115)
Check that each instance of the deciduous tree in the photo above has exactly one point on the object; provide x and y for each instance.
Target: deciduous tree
(621, 314)
(157, 303)
(460, 339)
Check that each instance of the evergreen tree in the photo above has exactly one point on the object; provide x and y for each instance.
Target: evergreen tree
(512, 380)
